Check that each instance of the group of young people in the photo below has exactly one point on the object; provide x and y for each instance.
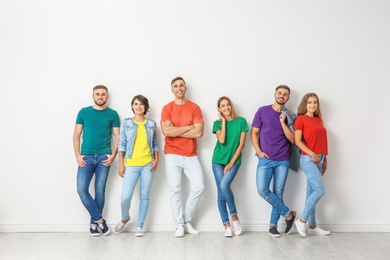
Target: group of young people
(281, 140)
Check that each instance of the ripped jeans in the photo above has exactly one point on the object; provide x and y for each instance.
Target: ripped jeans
(266, 169)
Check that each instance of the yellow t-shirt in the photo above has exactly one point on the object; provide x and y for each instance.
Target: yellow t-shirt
(141, 151)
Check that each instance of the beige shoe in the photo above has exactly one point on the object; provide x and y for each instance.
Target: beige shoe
(189, 229)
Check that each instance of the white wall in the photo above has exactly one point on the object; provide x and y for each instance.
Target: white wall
(52, 53)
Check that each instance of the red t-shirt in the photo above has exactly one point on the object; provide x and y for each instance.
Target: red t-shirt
(313, 133)
(181, 115)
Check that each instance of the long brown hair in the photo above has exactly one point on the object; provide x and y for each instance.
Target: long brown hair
(233, 112)
(302, 108)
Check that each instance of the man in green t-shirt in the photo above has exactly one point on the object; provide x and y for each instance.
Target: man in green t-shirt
(96, 124)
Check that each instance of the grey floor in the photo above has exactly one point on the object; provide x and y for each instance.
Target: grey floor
(207, 245)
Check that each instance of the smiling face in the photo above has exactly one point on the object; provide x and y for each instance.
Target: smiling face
(225, 108)
(312, 105)
(282, 95)
(100, 97)
(138, 107)
(179, 88)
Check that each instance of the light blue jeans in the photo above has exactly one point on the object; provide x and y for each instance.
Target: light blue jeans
(132, 174)
(266, 169)
(175, 166)
(84, 177)
(225, 194)
(314, 189)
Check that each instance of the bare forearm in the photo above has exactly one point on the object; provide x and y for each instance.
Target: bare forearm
(174, 131)
(76, 144)
(287, 132)
(255, 142)
(193, 133)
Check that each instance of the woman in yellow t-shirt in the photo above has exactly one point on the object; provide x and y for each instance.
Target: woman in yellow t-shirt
(138, 159)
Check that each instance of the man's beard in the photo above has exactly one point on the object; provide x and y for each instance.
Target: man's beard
(100, 105)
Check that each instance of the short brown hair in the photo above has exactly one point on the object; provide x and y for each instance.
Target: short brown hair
(100, 87)
(177, 78)
(283, 86)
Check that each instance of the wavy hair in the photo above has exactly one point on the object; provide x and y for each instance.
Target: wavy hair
(233, 112)
(302, 108)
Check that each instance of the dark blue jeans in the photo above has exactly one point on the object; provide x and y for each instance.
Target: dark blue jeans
(84, 177)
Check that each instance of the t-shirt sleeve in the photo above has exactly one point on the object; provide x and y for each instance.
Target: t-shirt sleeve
(116, 122)
(216, 126)
(298, 123)
(244, 125)
(198, 118)
(165, 114)
(79, 118)
(256, 120)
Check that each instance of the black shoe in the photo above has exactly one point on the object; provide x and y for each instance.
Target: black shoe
(105, 229)
(273, 231)
(290, 222)
(94, 230)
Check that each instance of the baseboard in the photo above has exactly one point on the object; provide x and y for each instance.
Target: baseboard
(204, 228)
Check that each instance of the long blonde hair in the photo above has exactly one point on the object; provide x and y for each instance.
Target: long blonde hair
(302, 108)
(233, 112)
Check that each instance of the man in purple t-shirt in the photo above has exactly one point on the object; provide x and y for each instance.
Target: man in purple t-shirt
(271, 138)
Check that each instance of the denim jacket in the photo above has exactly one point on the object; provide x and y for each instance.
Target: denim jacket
(295, 152)
(127, 136)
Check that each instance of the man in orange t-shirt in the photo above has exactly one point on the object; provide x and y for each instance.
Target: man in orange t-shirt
(182, 123)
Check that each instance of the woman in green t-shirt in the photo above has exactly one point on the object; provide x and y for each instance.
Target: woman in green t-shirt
(230, 130)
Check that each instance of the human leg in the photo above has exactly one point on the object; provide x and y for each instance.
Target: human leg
(314, 180)
(194, 173)
(84, 177)
(226, 181)
(263, 178)
(218, 175)
(280, 177)
(129, 182)
(174, 169)
(144, 191)
(101, 176)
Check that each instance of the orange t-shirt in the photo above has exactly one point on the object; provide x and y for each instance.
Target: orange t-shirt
(181, 115)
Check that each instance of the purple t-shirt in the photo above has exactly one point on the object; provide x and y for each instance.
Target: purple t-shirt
(272, 139)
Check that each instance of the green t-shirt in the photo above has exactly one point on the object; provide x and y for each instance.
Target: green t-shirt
(97, 129)
(223, 153)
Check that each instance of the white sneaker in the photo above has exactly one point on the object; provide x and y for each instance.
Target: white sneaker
(189, 229)
(318, 231)
(119, 227)
(301, 227)
(228, 232)
(237, 227)
(139, 232)
(179, 231)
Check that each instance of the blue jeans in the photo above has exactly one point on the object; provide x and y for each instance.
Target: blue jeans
(225, 194)
(266, 169)
(175, 166)
(132, 174)
(314, 189)
(84, 176)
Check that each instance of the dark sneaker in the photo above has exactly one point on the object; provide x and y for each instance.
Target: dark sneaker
(105, 229)
(290, 222)
(94, 230)
(273, 231)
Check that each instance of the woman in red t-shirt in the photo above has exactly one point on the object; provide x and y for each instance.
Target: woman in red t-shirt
(311, 138)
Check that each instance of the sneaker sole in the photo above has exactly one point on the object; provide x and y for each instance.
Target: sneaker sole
(276, 236)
